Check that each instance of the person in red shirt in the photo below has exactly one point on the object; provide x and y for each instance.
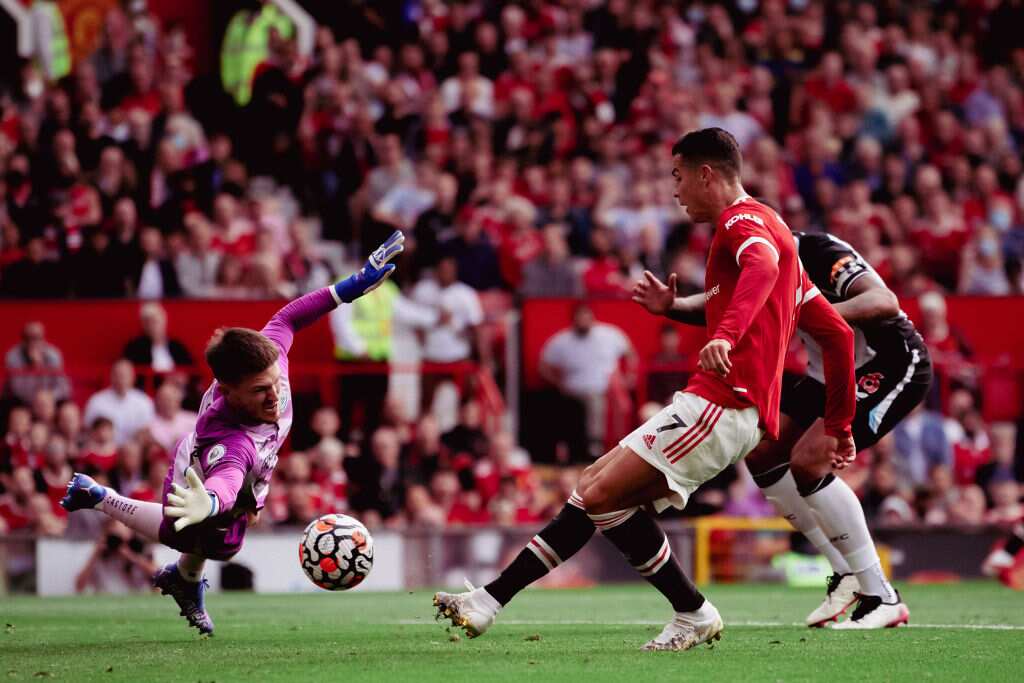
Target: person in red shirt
(755, 292)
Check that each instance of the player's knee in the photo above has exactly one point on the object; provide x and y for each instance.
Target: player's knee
(597, 497)
(806, 465)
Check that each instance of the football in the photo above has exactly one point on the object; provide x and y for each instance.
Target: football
(336, 552)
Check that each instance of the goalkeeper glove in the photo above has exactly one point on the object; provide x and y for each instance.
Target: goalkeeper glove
(190, 505)
(372, 275)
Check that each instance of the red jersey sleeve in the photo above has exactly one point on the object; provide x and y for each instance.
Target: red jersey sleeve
(826, 326)
(757, 256)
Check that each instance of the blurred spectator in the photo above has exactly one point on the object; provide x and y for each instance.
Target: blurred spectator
(35, 275)
(198, 263)
(580, 362)
(154, 349)
(551, 273)
(127, 408)
(23, 509)
(121, 562)
(922, 442)
(170, 421)
(364, 333)
(457, 335)
(156, 277)
(668, 371)
(99, 454)
(376, 478)
(35, 364)
(950, 353)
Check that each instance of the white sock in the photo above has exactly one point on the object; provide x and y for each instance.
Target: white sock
(790, 504)
(191, 567)
(139, 516)
(841, 516)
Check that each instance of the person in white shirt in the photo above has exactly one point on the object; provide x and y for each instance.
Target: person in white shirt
(580, 361)
(457, 334)
(170, 423)
(125, 406)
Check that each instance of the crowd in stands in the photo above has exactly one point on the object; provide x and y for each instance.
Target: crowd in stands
(521, 147)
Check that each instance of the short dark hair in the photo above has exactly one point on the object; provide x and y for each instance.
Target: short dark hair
(235, 353)
(712, 146)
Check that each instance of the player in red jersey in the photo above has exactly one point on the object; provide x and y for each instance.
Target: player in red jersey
(756, 292)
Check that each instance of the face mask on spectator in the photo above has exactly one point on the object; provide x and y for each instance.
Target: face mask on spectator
(988, 247)
(1000, 218)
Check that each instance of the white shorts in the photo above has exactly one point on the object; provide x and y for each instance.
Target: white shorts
(691, 440)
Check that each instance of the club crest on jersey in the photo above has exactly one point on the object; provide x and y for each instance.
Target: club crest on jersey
(741, 216)
(215, 454)
(869, 384)
(649, 440)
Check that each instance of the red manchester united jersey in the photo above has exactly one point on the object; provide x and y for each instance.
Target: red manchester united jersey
(756, 316)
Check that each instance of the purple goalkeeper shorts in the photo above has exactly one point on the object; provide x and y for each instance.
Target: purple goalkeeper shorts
(215, 539)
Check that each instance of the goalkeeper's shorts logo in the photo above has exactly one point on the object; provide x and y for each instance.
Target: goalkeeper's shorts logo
(649, 440)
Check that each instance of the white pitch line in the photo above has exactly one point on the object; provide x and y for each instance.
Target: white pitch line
(649, 622)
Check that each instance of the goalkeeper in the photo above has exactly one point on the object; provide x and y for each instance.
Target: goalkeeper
(221, 472)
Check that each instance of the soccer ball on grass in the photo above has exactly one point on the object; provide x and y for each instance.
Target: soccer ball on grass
(336, 552)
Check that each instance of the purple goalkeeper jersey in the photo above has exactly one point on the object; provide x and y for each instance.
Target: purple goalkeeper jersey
(236, 459)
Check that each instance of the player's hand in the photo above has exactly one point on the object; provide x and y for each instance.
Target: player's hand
(190, 505)
(374, 272)
(714, 357)
(845, 453)
(653, 294)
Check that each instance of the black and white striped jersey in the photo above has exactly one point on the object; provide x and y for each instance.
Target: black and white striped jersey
(833, 266)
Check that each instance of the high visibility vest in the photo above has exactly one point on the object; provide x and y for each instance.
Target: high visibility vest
(256, 47)
(371, 319)
(231, 51)
(60, 48)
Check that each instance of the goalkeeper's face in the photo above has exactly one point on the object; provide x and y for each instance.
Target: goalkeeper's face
(257, 396)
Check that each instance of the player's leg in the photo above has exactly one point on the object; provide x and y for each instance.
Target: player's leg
(562, 538)
(142, 517)
(888, 390)
(663, 462)
(1004, 556)
(769, 466)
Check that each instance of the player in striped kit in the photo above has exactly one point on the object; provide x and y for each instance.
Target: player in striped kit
(755, 294)
(220, 476)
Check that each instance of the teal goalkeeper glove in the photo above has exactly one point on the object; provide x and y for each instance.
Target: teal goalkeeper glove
(372, 275)
(190, 505)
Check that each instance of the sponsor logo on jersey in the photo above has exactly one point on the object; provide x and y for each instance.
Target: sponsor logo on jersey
(741, 216)
(869, 384)
(711, 292)
(649, 440)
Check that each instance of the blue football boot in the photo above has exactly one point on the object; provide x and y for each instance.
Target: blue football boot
(189, 596)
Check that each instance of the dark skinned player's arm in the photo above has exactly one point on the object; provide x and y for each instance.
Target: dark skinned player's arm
(688, 310)
(869, 300)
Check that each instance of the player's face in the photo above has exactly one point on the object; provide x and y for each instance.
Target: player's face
(691, 189)
(257, 396)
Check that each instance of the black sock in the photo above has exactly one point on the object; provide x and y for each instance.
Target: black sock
(557, 542)
(646, 547)
(807, 486)
(1013, 544)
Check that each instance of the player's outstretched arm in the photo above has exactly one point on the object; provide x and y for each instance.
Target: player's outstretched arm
(819, 319)
(308, 308)
(660, 298)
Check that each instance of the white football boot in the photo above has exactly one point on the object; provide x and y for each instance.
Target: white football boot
(473, 611)
(997, 561)
(689, 629)
(872, 613)
(840, 593)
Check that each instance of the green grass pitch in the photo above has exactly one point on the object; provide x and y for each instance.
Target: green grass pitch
(963, 632)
